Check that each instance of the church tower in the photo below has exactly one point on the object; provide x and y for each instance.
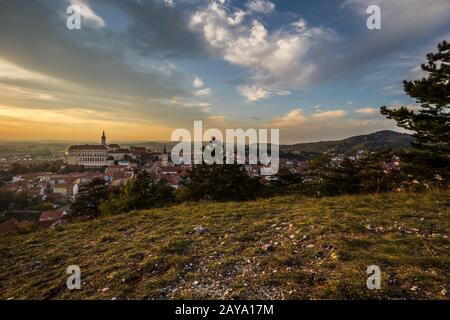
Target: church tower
(104, 139)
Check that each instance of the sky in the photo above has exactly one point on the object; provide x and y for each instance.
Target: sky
(139, 69)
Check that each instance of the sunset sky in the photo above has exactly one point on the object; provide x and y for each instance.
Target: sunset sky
(140, 68)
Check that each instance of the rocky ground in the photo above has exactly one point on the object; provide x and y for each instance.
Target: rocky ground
(278, 248)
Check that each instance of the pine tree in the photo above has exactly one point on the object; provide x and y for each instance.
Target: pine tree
(430, 157)
(431, 124)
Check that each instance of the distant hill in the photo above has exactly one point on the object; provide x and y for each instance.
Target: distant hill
(373, 141)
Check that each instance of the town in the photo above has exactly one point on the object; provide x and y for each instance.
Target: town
(46, 196)
(43, 198)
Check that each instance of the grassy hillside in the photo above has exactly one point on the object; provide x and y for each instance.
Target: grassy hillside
(279, 248)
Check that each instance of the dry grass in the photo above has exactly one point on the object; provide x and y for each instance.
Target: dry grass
(279, 248)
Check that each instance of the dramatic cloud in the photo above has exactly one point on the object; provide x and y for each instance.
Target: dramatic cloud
(86, 69)
(277, 61)
(160, 30)
(141, 61)
(403, 22)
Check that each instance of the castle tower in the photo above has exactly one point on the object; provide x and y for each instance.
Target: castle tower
(104, 139)
(165, 158)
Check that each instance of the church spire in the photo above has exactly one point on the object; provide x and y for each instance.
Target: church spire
(104, 138)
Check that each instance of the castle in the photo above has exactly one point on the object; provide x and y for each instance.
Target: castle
(106, 155)
(93, 155)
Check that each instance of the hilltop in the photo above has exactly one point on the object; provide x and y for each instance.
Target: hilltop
(373, 141)
(278, 248)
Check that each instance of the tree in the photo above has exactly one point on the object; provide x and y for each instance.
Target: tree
(287, 181)
(141, 193)
(220, 183)
(6, 200)
(344, 178)
(326, 176)
(316, 175)
(377, 172)
(431, 124)
(90, 197)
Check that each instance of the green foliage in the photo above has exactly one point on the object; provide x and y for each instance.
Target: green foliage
(138, 194)
(10, 201)
(90, 197)
(51, 166)
(6, 200)
(374, 172)
(374, 176)
(431, 124)
(220, 183)
(371, 142)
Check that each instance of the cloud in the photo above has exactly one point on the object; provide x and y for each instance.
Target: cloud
(367, 111)
(157, 29)
(295, 126)
(255, 93)
(216, 118)
(169, 2)
(260, 6)
(276, 61)
(203, 92)
(11, 71)
(293, 118)
(300, 24)
(402, 14)
(88, 14)
(400, 24)
(197, 83)
(90, 70)
(296, 117)
(329, 115)
(200, 86)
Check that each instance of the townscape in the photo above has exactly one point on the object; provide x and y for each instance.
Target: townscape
(47, 196)
(224, 150)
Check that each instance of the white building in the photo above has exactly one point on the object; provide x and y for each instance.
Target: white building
(89, 155)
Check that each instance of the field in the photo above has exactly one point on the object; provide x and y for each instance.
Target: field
(278, 248)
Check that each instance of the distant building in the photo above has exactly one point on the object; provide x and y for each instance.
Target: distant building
(90, 155)
(103, 139)
(106, 155)
(52, 216)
